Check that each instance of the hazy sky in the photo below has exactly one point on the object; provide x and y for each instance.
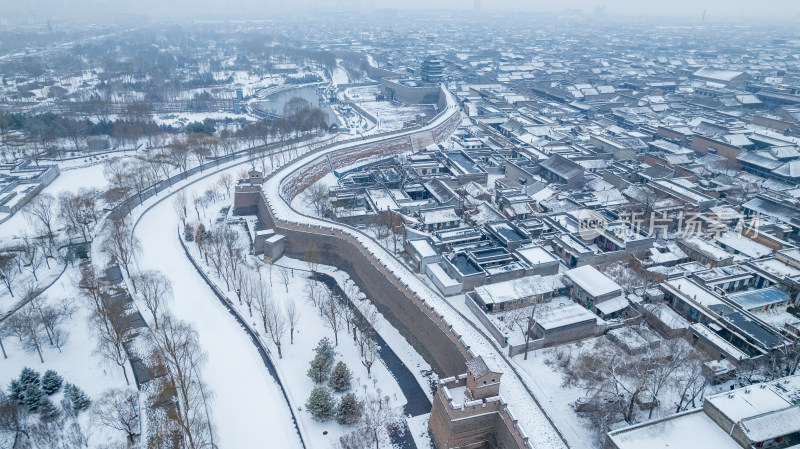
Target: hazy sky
(264, 8)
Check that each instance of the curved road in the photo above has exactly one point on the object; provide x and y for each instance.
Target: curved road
(249, 408)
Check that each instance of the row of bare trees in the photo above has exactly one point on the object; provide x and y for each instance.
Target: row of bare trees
(38, 323)
(177, 399)
(340, 314)
(276, 319)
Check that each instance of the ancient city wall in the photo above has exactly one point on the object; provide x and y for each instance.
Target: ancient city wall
(426, 330)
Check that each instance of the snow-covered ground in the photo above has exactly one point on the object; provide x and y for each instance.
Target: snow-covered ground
(547, 382)
(296, 357)
(531, 418)
(77, 363)
(67, 181)
(339, 75)
(311, 329)
(248, 405)
(391, 116)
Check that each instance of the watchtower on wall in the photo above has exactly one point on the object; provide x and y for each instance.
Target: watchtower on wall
(432, 70)
(469, 413)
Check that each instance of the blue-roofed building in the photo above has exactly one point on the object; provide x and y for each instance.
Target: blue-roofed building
(762, 300)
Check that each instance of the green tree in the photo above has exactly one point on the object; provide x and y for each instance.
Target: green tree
(33, 397)
(349, 410)
(325, 349)
(51, 382)
(79, 400)
(47, 411)
(321, 404)
(340, 378)
(28, 376)
(320, 369)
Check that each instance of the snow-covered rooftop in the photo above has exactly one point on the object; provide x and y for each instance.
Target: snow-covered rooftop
(592, 281)
(684, 430)
(515, 289)
(554, 315)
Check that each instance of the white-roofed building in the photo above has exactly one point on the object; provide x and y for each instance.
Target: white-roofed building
(517, 292)
(590, 286)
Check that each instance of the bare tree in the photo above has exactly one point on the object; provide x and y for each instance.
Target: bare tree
(197, 202)
(292, 318)
(226, 182)
(178, 351)
(348, 312)
(522, 318)
(156, 291)
(78, 211)
(263, 299)
(784, 360)
(117, 173)
(215, 250)
(313, 292)
(27, 325)
(318, 198)
(118, 409)
(32, 253)
(378, 420)
(180, 203)
(665, 364)
(122, 245)
(285, 277)
(140, 176)
(3, 333)
(179, 153)
(366, 326)
(113, 329)
(275, 325)
(52, 317)
(690, 384)
(370, 355)
(331, 310)
(14, 417)
(40, 213)
(93, 286)
(232, 254)
(8, 270)
(615, 380)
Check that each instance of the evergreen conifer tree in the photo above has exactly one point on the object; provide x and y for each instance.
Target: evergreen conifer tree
(325, 349)
(321, 404)
(349, 410)
(17, 390)
(80, 401)
(320, 369)
(51, 382)
(47, 411)
(33, 396)
(340, 378)
(28, 376)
